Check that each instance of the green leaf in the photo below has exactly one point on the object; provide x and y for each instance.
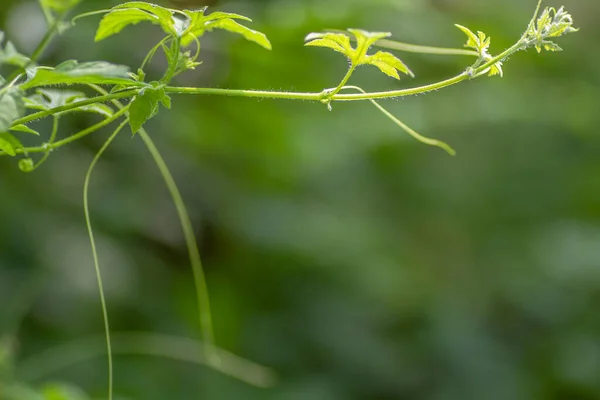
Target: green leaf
(72, 72)
(235, 27)
(24, 128)
(10, 56)
(365, 39)
(223, 15)
(340, 42)
(193, 27)
(12, 107)
(388, 64)
(336, 41)
(496, 69)
(132, 13)
(480, 42)
(200, 23)
(9, 143)
(144, 106)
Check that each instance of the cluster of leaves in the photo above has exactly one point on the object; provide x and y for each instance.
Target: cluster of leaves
(14, 101)
(551, 23)
(340, 42)
(183, 28)
(186, 26)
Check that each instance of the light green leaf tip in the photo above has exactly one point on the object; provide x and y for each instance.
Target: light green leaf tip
(199, 23)
(24, 128)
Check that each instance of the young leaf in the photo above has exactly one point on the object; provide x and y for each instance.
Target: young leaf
(145, 106)
(72, 72)
(479, 42)
(340, 42)
(9, 143)
(11, 107)
(388, 64)
(9, 54)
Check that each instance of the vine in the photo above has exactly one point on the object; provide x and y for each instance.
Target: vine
(25, 96)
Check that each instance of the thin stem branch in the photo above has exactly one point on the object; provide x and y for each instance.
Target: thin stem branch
(314, 96)
(37, 53)
(55, 120)
(72, 138)
(153, 51)
(406, 128)
(205, 317)
(202, 298)
(343, 82)
(414, 48)
(88, 222)
(173, 64)
(266, 94)
(74, 106)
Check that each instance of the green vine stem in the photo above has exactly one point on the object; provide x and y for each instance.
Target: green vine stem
(172, 69)
(202, 297)
(75, 105)
(88, 222)
(47, 145)
(72, 138)
(406, 128)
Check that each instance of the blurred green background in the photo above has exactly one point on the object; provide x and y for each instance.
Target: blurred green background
(353, 261)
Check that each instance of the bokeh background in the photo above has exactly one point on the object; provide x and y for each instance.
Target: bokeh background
(352, 261)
